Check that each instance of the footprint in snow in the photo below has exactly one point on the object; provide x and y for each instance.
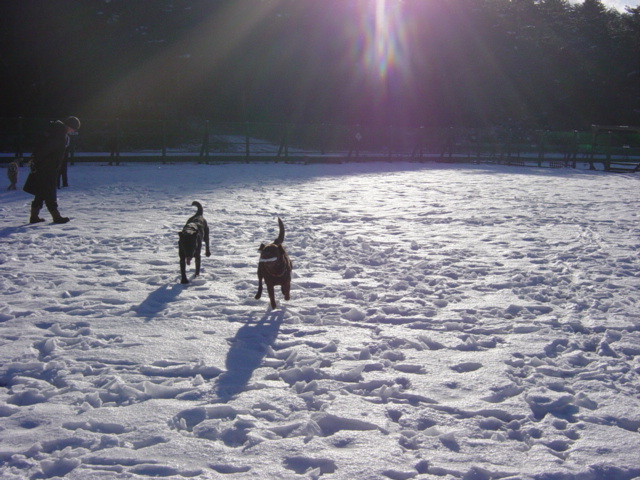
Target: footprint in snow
(466, 367)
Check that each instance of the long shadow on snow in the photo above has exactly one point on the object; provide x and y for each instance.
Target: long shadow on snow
(8, 231)
(248, 348)
(158, 300)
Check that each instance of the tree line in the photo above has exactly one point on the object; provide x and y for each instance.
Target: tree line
(536, 63)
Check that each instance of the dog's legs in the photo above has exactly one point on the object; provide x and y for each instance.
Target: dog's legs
(259, 294)
(207, 252)
(183, 270)
(286, 288)
(197, 264)
(272, 295)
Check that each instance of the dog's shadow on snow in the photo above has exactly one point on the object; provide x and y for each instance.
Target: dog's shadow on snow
(158, 300)
(248, 348)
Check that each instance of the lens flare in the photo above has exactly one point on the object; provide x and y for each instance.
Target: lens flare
(383, 30)
(386, 74)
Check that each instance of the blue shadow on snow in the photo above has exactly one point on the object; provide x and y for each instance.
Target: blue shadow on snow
(248, 348)
(158, 300)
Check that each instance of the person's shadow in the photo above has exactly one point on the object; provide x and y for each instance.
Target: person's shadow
(158, 300)
(248, 348)
(7, 231)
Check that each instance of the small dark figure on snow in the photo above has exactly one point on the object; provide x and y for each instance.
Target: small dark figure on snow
(12, 174)
(195, 231)
(275, 268)
(46, 162)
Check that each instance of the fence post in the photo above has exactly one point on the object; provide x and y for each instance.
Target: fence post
(594, 139)
(355, 142)
(204, 150)
(470, 143)
(417, 149)
(284, 142)
(607, 163)
(477, 144)
(114, 143)
(118, 138)
(575, 148)
(450, 140)
(164, 141)
(247, 148)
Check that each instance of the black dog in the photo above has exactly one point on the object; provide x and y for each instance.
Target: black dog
(190, 243)
(275, 267)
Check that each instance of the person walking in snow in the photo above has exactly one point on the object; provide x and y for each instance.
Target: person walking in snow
(46, 162)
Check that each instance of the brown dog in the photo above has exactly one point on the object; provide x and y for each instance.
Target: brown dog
(275, 267)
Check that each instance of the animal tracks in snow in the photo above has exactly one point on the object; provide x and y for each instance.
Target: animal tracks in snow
(459, 323)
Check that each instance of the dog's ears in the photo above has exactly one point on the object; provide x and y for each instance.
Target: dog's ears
(262, 245)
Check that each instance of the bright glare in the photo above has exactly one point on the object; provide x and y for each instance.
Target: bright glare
(383, 30)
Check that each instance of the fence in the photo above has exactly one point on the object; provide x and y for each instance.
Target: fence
(173, 140)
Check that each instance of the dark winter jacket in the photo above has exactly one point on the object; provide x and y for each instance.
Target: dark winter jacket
(47, 158)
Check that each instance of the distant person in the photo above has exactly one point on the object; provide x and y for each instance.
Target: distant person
(46, 162)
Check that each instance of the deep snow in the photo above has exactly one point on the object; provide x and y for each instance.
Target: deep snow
(446, 322)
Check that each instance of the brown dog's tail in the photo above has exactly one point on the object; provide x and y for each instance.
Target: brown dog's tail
(280, 239)
(197, 204)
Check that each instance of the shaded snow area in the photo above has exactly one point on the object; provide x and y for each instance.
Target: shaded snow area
(445, 322)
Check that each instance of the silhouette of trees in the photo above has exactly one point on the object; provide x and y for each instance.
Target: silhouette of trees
(543, 63)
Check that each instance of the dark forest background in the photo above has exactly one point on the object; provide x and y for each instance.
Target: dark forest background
(539, 63)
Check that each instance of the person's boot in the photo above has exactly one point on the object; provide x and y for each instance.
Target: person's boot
(34, 218)
(57, 218)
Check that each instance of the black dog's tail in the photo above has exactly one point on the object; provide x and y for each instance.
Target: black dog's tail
(280, 239)
(197, 204)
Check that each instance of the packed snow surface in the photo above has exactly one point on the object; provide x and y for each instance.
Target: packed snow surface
(445, 322)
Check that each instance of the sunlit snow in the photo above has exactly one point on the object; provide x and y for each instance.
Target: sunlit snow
(445, 322)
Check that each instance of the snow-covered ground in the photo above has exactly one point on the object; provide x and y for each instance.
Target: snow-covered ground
(446, 322)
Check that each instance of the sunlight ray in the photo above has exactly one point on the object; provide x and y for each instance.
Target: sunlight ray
(226, 30)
